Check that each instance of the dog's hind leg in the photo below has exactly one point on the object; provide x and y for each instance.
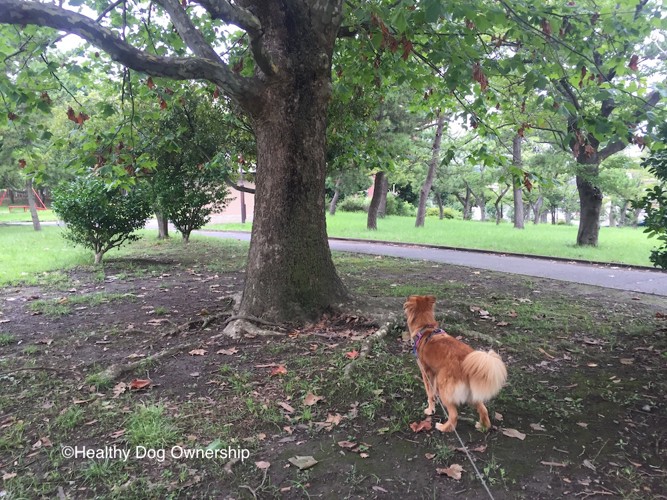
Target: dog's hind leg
(483, 416)
(448, 397)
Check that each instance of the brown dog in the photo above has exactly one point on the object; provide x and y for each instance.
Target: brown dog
(458, 373)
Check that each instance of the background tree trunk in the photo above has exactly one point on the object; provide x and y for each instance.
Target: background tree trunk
(537, 209)
(590, 203)
(382, 207)
(516, 181)
(32, 205)
(432, 165)
(162, 225)
(334, 201)
(441, 208)
(372, 220)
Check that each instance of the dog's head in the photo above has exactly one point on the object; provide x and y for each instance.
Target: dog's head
(419, 311)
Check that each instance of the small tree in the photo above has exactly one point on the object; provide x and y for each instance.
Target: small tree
(189, 194)
(100, 218)
(192, 162)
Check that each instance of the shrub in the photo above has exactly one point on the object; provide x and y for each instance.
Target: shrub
(356, 203)
(655, 204)
(100, 218)
(398, 206)
(447, 213)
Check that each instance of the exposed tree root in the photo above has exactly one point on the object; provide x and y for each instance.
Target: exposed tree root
(369, 342)
(475, 335)
(117, 370)
(239, 326)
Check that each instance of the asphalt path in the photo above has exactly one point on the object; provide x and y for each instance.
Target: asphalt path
(608, 276)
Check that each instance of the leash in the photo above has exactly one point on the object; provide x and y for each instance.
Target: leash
(465, 448)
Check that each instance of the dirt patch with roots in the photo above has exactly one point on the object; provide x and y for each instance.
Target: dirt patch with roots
(583, 414)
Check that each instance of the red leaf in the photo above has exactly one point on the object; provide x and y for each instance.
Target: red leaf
(45, 97)
(70, 114)
(138, 384)
(150, 83)
(168, 91)
(238, 67)
(633, 62)
(82, 117)
(526, 182)
(22, 163)
(216, 93)
(163, 104)
(546, 27)
(353, 354)
(479, 76)
(12, 116)
(279, 370)
(424, 425)
(184, 3)
(407, 48)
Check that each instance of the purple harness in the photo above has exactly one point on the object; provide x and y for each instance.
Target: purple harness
(420, 334)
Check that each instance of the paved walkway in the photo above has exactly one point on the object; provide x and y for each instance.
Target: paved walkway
(609, 276)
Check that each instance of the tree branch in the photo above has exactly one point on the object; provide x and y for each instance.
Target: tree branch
(231, 184)
(179, 68)
(238, 16)
(187, 31)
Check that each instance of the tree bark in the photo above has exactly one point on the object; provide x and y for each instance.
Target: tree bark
(466, 202)
(162, 225)
(498, 203)
(516, 181)
(382, 207)
(372, 221)
(32, 205)
(590, 204)
(430, 175)
(334, 200)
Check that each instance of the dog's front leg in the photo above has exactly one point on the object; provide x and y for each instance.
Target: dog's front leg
(430, 395)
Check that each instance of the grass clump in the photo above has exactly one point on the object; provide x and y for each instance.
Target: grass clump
(150, 427)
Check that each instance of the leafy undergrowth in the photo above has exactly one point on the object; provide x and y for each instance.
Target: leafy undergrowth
(583, 414)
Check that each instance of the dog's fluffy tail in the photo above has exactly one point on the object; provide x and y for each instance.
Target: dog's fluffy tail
(486, 374)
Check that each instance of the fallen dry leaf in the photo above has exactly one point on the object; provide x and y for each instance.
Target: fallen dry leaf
(286, 407)
(303, 463)
(138, 384)
(537, 427)
(279, 370)
(582, 424)
(424, 425)
(513, 433)
(348, 445)
(429, 456)
(119, 389)
(553, 464)
(498, 416)
(197, 352)
(228, 352)
(453, 471)
(117, 434)
(627, 361)
(354, 354)
(9, 475)
(589, 464)
(364, 455)
(312, 399)
(263, 465)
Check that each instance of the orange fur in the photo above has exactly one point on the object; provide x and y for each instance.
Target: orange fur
(451, 368)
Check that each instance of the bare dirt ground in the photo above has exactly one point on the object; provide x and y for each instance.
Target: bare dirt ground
(583, 414)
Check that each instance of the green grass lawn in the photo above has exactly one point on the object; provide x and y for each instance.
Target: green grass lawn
(21, 216)
(618, 245)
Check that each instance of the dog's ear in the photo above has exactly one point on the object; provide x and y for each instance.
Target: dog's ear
(430, 299)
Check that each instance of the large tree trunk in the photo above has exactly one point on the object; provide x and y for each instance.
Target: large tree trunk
(481, 204)
(590, 204)
(432, 165)
(372, 221)
(290, 273)
(516, 181)
(32, 205)
(382, 207)
(162, 225)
